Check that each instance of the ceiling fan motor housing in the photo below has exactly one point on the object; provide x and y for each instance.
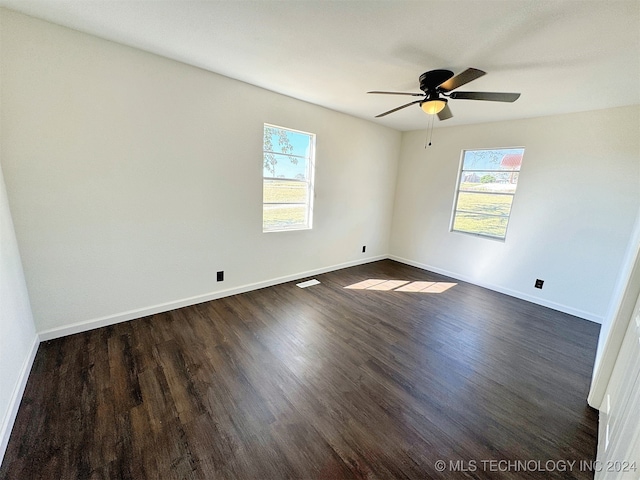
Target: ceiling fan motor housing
(430, 80)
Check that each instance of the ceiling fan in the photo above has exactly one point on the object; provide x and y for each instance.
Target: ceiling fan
(437, 86)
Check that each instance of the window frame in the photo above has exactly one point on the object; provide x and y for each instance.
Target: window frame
(461, 171)
(309, 180)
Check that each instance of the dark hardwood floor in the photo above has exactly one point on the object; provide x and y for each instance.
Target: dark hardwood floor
(316, 383)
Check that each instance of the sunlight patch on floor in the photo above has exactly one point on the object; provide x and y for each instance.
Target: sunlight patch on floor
(388, 285)
(401, 286)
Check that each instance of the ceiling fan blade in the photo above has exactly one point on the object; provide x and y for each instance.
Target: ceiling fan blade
(399, 93)
(398, 108)
(445, 113)
(489, 96)
(463, 78)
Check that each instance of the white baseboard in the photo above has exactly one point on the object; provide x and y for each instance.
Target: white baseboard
(512, 293)
(185, 302)
(16, 398)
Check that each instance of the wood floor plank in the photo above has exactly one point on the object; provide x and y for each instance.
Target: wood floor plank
(325, 382)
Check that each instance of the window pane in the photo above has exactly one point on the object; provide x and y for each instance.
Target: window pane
(281, 140)
(282, 217)
(281, 191)
(287, 170)
(484, 203)
(285, 166)
(487, 183)
(481, 224)
(499, 182)
(500, 159)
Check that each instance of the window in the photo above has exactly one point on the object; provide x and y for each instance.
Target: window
(287, 185)
(486, 186)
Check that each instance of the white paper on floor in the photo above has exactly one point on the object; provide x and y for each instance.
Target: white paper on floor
(308, 283)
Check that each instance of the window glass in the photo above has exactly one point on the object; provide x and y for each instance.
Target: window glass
(287, 179)
(486, 187)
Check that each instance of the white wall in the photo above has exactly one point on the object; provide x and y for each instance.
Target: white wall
(572, 216)
(626, 281)
(617, 319)
(18, 341)
(134, 178)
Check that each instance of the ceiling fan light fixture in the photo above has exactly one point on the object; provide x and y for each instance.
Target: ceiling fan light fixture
(433, 107)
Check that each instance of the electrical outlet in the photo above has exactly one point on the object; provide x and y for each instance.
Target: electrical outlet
(364, 248)
(539, 283)
(220, 276)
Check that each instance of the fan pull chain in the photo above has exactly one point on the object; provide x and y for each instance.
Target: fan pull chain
(431, 129)
(429, 132)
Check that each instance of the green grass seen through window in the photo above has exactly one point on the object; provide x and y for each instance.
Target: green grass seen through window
(281, 217)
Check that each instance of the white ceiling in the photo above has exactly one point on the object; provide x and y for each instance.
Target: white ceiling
(563, 56)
